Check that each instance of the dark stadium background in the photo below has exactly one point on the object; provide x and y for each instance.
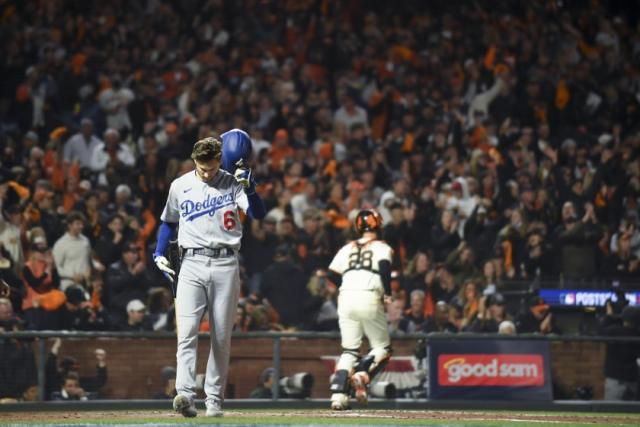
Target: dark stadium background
(499, 140)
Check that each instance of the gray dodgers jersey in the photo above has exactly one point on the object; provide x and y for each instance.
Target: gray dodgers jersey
(207, 213)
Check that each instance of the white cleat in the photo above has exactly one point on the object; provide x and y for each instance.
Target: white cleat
(214, 409)
(337, 406)
(339, 402)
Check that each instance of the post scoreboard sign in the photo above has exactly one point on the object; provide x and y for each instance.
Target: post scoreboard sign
(585, 298)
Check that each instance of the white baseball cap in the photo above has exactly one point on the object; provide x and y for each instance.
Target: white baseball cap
(39, 240)
(123, 189)
(135, 305)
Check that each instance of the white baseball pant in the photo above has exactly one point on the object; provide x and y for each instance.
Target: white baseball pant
(361, 313)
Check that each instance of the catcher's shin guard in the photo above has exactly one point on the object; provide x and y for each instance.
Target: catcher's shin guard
(375, 361)
(340, 382)
(339, 387)
(364, 363)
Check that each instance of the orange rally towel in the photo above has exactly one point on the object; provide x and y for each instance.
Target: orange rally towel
(563, 96)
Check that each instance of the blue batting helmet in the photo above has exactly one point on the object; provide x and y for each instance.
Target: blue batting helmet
(236, 149)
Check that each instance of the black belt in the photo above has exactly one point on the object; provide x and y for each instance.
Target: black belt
(210, 252)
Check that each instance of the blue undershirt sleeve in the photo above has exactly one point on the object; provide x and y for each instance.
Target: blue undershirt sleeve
(166, 232)
(256, 206)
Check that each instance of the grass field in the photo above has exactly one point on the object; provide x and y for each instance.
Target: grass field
(317, 417)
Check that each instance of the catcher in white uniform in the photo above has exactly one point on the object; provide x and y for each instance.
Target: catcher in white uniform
(362, 271)
(205, 204)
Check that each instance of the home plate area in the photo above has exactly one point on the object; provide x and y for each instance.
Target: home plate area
(312, 417)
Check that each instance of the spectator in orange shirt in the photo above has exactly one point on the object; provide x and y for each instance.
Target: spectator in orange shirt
(71, 193)
(280, 150)
(293, 179)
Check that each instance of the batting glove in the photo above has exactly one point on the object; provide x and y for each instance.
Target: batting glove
(164, 266)
(245, 177)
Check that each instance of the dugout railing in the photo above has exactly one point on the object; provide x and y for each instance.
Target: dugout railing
(39, 339)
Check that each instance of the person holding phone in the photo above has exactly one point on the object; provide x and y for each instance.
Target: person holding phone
(538, 319)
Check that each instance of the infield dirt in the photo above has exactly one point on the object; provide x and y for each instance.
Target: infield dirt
(323, 416)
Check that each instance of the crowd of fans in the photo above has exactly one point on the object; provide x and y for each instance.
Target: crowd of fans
(499, 144)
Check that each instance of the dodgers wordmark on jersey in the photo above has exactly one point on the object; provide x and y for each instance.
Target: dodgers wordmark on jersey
(207, 213)
(358, 262)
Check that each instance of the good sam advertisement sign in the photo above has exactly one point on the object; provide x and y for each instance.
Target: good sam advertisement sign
(503, 369)
(490, 370)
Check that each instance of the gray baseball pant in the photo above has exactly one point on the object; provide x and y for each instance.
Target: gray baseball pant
(211, 284)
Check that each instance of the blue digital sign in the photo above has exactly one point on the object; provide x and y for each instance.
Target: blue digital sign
(584, 298)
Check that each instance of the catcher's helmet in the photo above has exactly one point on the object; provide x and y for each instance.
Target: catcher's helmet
(236, 149)
(368, 220)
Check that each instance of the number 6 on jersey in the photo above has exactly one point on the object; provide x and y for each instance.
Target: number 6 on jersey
(229, 220)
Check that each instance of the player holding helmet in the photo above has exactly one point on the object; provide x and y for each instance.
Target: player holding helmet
(362, 271)
(203, 207)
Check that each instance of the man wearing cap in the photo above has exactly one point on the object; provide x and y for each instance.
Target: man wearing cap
(263, 391)
(168, 378)
(491, 313)
(537, 319)
(137, 319)
(79, 147)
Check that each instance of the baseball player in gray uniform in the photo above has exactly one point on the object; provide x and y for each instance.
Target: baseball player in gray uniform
(362, 271)
(203, 206)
